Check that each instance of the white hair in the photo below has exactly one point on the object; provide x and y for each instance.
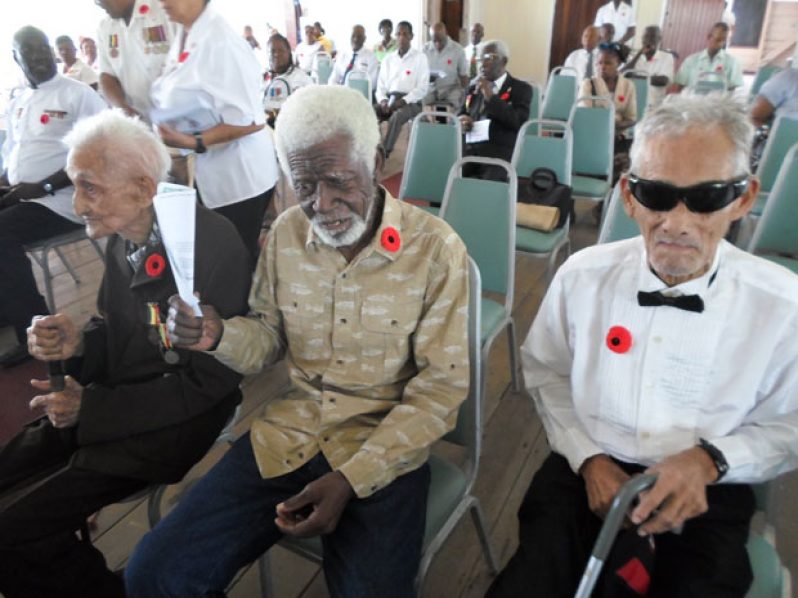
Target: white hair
(316, 113)
(501, 48)
(680, 113)
(131, 148)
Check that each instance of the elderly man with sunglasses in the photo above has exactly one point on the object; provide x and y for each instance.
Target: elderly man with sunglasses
(673, 353)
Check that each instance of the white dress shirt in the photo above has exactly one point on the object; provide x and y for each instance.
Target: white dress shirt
(365, 62)
(219, 69)
(661, 64)
(305, 55)
(275, 94)
(37, 121)
(80, 71)
(135, 53)
(729, 374)
(578, 60)
(622, 18)
(407, 74)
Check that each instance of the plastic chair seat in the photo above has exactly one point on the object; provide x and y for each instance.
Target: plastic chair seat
(765, 563)
(530, 240)
(585, 186)
(782, 260)
(493, 314)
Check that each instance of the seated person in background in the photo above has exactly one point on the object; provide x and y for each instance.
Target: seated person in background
(282, 79)
(326, 43)
(366, 298)
(500, 98)
(472, 49)
(250, 37)
(656, 63)
(402, 84)
(621, 16)
(35, 192)
(779, 95)
(74, 67)
(387, 44)
(135, 410)
(606, 35)
(88, 48)
(358, 58)
(585, 59)
(306, 51)
(448, 70)
(672, 353)
(713, 59)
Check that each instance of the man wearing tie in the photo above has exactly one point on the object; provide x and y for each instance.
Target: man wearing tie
(472, 49)
(585, 60)
(500, 98)
(672, 353)
(359, 58)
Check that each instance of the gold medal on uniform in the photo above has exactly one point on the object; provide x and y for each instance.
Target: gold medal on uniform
(159, 335)
(113, 45)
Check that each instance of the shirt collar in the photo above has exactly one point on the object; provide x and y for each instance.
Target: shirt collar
(391, 218)
(719, 56)
(648, 281)
(497, 84)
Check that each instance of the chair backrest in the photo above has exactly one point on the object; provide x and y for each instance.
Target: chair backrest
(762, 75)
(433, 148)
(783, 136)
(482, 212)
(709, 81)
(359, 81)
(642, 82)
(561, 91)
(593, 129)
(616, 225)
(534, 105)
(533, 150)
(323, 67)
(777, 229)
(468, 430)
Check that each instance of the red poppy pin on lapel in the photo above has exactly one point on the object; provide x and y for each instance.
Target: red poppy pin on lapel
(183, 56)
(621, 98)
(619, 339)
(390, 239)
(154, 265)
(144, 9)
(44, 119)
(505, 96)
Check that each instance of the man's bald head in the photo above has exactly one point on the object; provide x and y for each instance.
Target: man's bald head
(477, 33)
(358, 37)
(590, 38)
(33, 54)
(439, 35)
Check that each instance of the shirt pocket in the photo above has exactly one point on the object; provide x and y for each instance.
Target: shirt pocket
(52, 123)
(307, 323)
(388, 330)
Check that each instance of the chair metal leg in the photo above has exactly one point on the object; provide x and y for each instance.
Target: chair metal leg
(482, 533)
(265, 571)
(67, 265)
(154, 505)
(514, 362)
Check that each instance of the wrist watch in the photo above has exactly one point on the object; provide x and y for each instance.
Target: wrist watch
(717, 457)
(199, 145)
(47, 187)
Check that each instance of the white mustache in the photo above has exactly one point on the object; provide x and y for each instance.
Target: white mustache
(679, 242)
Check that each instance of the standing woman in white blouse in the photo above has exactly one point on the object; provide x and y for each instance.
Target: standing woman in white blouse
(212, 67)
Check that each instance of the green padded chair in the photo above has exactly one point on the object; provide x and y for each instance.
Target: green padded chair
(561, 90)
(642, 82)
(782, 137)
(432, 150)
(323, 68)
(359, 81)
(593, 130)
(615, 224)
(771, 578)
(482, 212)
(450, 496)
(776, 236)
(534, 105)
(532, 151)
(710, 82)
(762, 75)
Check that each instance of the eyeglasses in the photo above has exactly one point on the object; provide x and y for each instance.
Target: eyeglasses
(702, 198)
(489, 56)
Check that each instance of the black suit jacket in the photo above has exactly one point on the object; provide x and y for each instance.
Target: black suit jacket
(507, 111)
(140, 416)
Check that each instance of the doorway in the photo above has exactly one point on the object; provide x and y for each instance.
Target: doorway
(570, 19)
(687, 23)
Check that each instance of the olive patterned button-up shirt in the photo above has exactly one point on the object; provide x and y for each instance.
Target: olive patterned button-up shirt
(376, 347)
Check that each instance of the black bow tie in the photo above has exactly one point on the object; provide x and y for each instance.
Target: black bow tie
(685, 302)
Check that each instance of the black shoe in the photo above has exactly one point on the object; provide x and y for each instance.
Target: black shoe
(15, 356)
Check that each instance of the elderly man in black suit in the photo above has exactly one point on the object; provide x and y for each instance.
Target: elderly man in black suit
(134, 410)
(497, 96)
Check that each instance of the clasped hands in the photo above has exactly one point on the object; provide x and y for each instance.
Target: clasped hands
(678, 495)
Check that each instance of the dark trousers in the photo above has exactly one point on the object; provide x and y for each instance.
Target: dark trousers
(487, 171)
(227, 521)
(43, 501)
(557, 531)
(247, 216)
(21, 224)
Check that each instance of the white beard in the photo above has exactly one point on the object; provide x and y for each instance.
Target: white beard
(356, 230)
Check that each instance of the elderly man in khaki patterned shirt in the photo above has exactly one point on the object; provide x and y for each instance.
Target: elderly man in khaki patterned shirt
(366, 298)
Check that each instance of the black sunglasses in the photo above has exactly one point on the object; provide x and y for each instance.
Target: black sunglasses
(702, 198)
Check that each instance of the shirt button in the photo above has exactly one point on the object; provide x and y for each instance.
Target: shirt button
(374, 488)
(342, 320)
(326, 439)
(295, 304)
(394, 323)
(339, 361)
(300, 455)
(657, 339)
(645, 435)
(288, 461)
(343, 275)
(332, 399)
